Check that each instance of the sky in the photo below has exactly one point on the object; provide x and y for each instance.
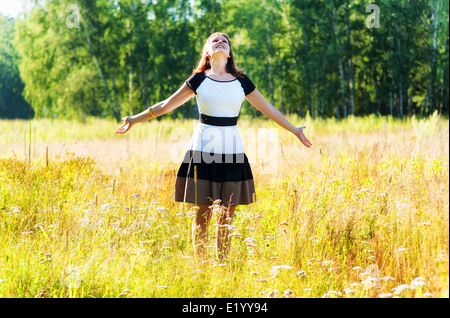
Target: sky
(11, 7)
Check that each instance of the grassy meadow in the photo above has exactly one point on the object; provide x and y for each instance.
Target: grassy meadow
(364, 213)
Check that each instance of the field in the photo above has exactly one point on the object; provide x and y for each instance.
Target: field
(364, 213)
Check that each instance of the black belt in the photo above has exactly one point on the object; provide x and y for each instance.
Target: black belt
(218, 121)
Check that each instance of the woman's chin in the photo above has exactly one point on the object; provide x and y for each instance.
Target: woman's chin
(219, 55)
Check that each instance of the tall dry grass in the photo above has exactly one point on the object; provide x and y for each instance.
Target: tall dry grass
(364, 213)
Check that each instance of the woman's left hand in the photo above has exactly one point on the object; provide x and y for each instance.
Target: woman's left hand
(300, 135)
(127, 124)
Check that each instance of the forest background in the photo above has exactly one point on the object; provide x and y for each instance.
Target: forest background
(88, 213)
(79, 59)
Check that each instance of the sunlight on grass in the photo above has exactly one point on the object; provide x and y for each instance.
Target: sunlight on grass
(364, 213)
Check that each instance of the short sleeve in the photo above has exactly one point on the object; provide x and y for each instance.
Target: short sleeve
(247, 84)
(195, 80)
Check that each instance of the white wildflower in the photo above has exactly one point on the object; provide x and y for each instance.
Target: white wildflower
(15, 209)
(370, 282)
(333, 292)
(72, 276)
(282, 267)
(365, 274)
(124, 292)
(273, 293)
(163, 212)
(288, 293)
(418, 282)
(107, 206)
(401, 288)
(274, 272)
(349, 291)
(325, 263)
(300, 274)
(442, 258)
(387, 278)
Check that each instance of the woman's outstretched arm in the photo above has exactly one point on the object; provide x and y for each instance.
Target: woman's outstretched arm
(257, 100)
(181, 96)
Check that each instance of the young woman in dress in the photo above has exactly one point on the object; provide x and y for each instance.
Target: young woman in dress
(215, 166)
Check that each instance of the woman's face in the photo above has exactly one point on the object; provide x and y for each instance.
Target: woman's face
(219, 44)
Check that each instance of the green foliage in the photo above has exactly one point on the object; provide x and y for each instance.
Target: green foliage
(12, 104)
(315, 57)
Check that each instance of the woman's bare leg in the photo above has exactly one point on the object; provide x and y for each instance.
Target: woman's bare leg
(223, 240)
(200, 229)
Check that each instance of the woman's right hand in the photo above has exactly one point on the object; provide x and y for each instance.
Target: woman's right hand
(300, 135)
(127, 124)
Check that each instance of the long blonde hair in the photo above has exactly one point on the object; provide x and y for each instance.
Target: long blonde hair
(205, 64)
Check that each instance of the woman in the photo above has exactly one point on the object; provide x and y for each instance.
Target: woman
(215, 167)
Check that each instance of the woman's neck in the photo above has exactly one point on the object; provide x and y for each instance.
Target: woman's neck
(218, 65)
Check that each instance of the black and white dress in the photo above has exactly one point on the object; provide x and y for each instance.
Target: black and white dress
(215, 165)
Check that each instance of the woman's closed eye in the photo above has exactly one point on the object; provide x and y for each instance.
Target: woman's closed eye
(224, 41)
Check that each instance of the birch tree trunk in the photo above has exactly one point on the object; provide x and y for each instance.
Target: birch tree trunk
(430, 91)
(101, 73)
(344, 98)
(400, 97)
(400, 84)
(350, 76)
(280, 75)
(130, 76)
(391, 97)
(269, 50)
(341, 68)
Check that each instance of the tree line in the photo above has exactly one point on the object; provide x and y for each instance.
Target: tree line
(106, 58)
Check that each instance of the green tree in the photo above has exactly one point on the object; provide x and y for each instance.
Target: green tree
(12, 104)
(305, 56)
